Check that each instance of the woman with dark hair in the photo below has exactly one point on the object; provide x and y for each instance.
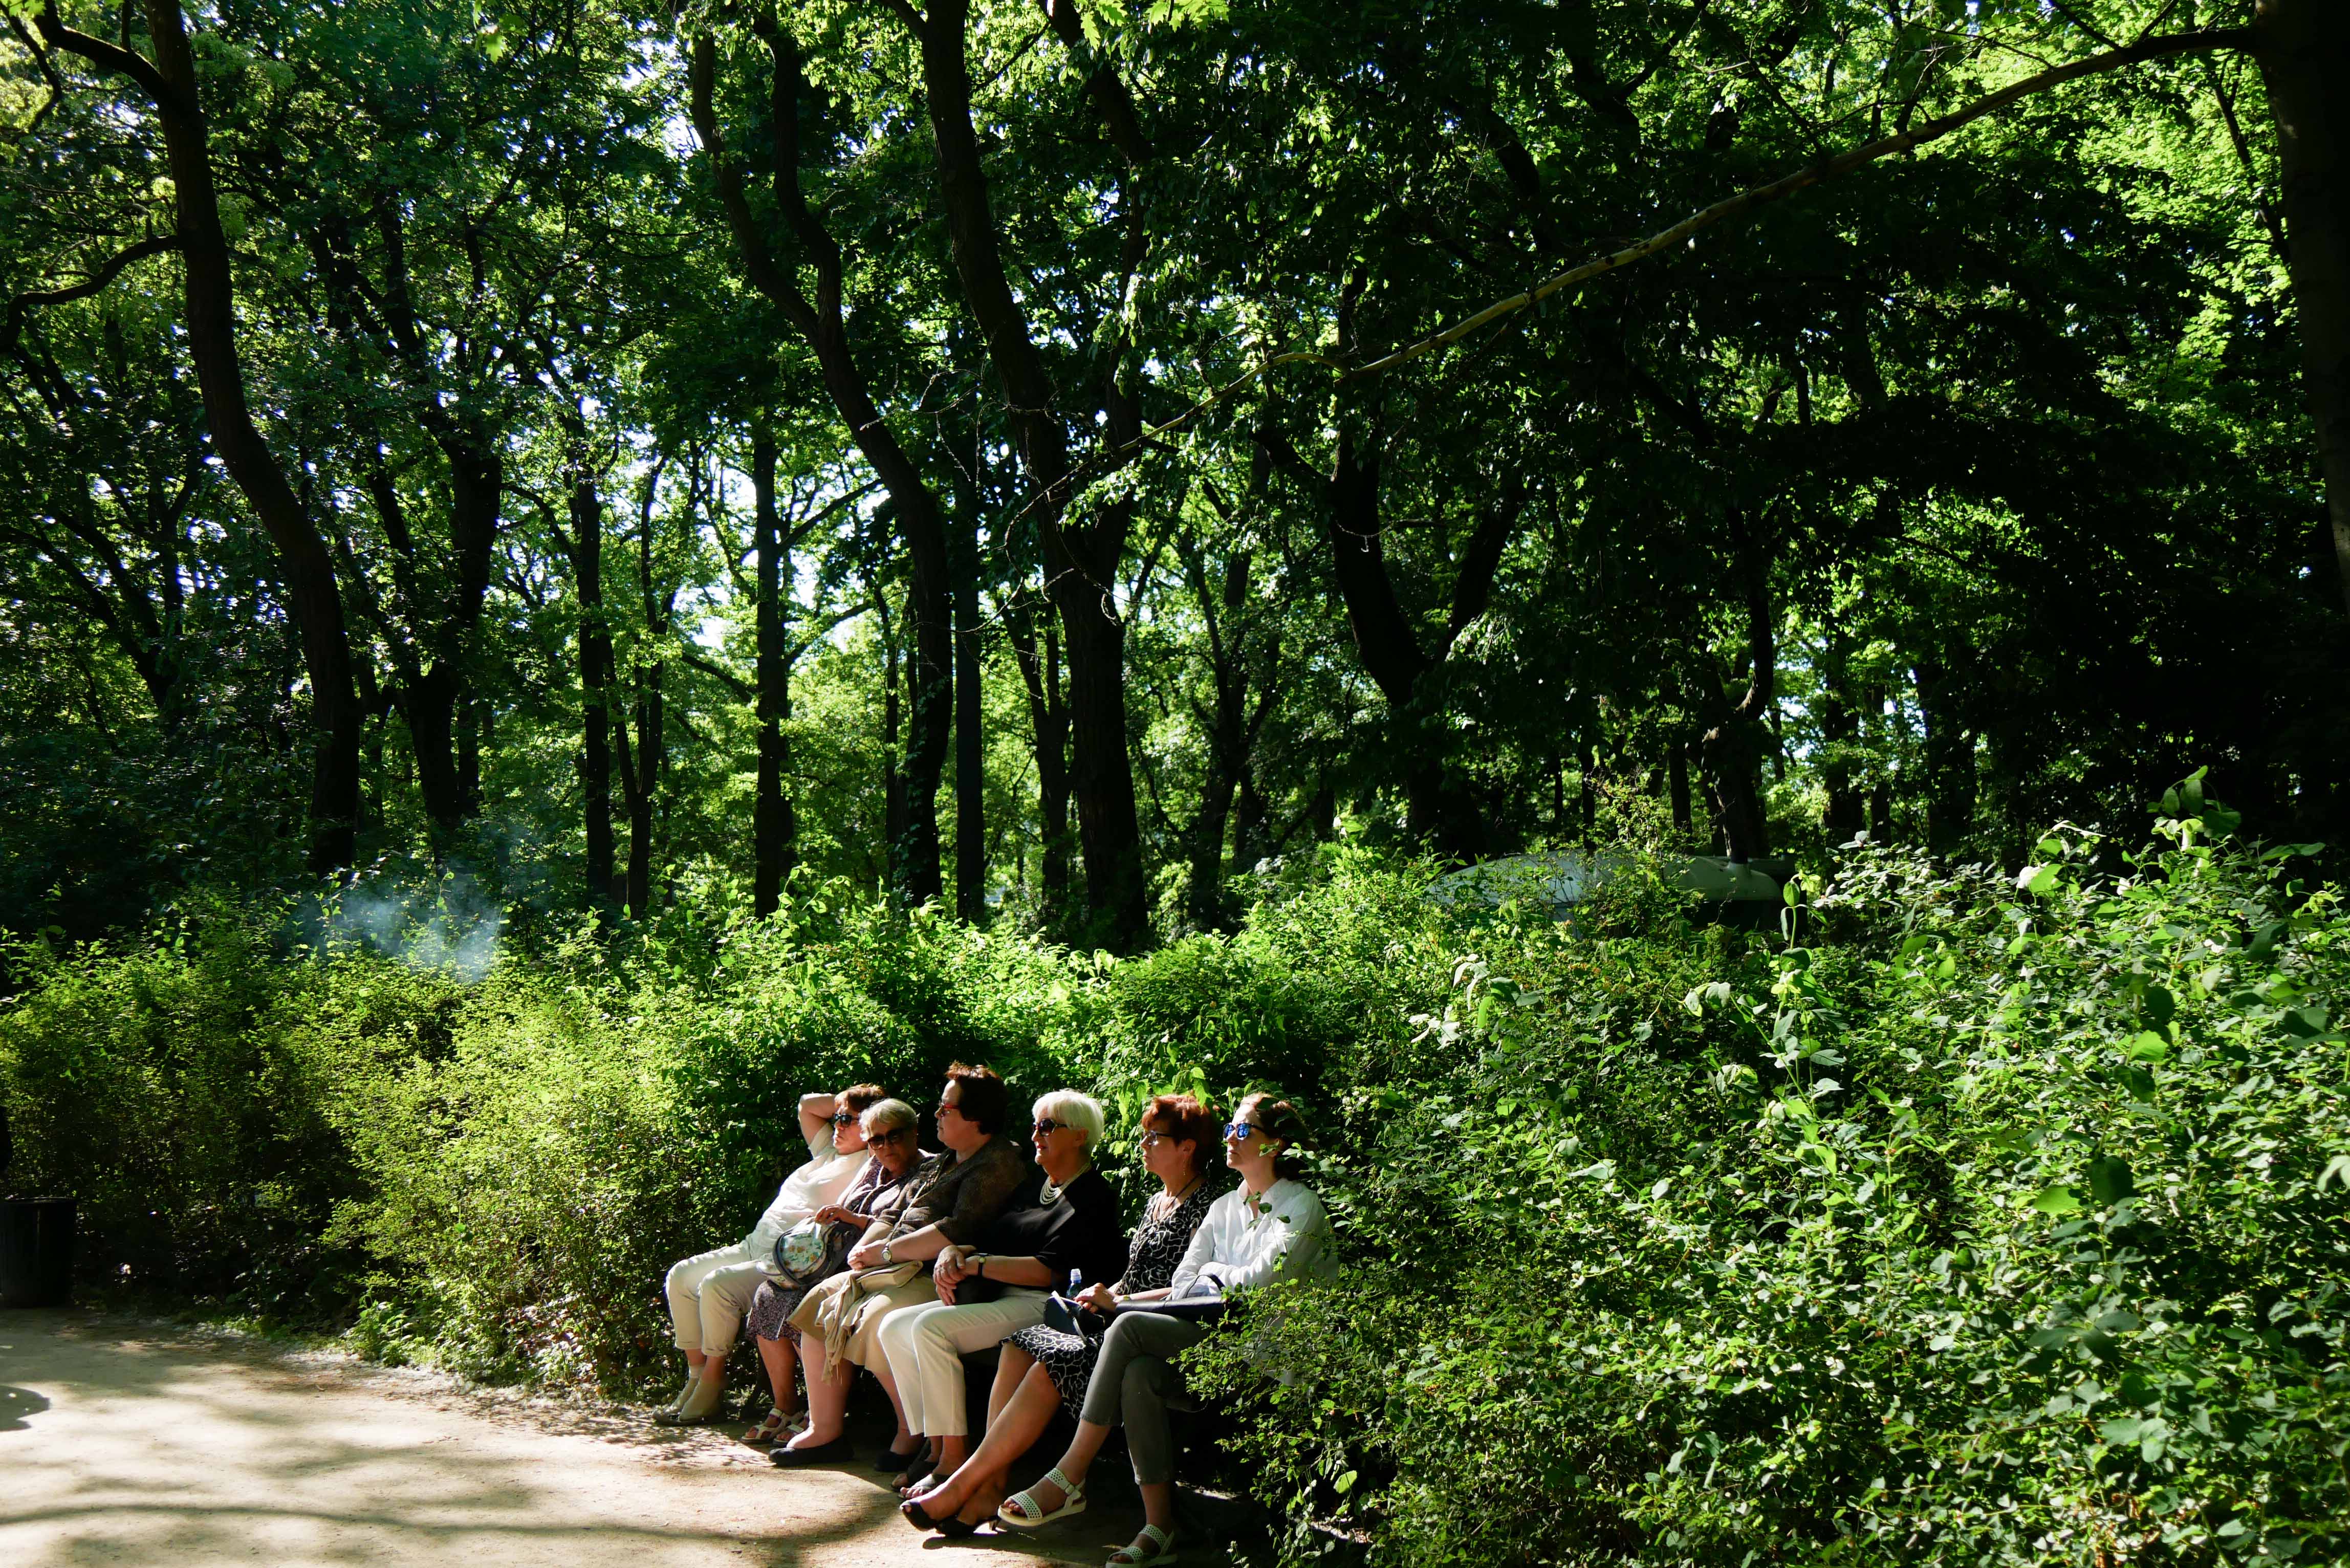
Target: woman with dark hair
(1041, 1369)
(946, 1203)
(890, 1129)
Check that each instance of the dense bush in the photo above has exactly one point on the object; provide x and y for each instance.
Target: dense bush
(2009, 1229)
(1971, 1218)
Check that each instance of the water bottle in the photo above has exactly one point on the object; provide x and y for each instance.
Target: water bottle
(1076, 1282)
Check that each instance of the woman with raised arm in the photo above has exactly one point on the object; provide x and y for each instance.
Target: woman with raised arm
(708, 1292)
(890, 1130)
(1269, 1228)
(1042, 1370)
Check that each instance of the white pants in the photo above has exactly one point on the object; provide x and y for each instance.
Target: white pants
(708, 1295)
(926, 1344)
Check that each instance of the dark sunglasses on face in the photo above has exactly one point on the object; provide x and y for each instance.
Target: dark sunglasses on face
(1240, 1132)
(894, 1134)
(842, 1118)
(1048, 1127)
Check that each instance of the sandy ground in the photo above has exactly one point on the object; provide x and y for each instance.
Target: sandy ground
(127, 1444)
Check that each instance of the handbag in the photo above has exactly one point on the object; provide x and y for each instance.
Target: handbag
(1073, 1317)
(810, 1252)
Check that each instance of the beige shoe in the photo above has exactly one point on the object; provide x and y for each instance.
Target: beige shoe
(699, 1404)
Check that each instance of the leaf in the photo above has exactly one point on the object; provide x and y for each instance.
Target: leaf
(2336, 1169)
(2039, 881)
(2057, 1200)
(2157, 1005)
(2148, 1047)
(1344, 1484)
(2109, 1180)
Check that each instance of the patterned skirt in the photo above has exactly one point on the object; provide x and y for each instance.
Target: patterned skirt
(770, 1316)
(1066, 1359)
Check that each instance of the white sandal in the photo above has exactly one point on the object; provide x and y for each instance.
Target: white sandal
(1032, 1514)
(1162, 1540)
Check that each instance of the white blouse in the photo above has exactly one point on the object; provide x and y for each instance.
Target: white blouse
(820, 1181)
(1283, 1235)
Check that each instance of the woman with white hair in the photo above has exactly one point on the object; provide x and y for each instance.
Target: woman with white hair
(1063, 1221)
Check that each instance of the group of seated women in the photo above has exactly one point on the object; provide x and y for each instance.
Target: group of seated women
(939, 1255)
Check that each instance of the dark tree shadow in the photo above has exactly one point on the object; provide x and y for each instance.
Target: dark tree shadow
(16, 1405)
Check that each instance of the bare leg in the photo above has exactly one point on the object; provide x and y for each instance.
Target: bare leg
(1011, 1434)
(827, 1404)
(782, 1360)
(1011, 1366)
(1075, 1461)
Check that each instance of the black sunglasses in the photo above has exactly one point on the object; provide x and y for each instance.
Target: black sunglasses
(1048, 1127)
(842, 1118)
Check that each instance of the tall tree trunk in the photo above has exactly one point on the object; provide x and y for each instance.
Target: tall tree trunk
(822, 323)
(595, 687)
(893, 786)
(170, 82)
(1950, 747)
(1678, 785)
(2303, 50)
(773, 850)
(1735, 740)
(1081, 561)
(1048, 726)
(970, 742)
(1843, 820)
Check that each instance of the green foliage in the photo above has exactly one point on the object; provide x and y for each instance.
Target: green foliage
(1971, 1218)
(2010, 1228)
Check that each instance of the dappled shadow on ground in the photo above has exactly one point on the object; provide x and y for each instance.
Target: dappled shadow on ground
(144, 1445)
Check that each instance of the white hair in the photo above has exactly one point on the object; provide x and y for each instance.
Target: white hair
(885, 1115)
(1072, 1109)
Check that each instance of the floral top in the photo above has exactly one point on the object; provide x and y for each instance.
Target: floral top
(1159, 1244)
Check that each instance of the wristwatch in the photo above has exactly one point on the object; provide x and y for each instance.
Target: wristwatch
(977, 1264)
(887, 1260)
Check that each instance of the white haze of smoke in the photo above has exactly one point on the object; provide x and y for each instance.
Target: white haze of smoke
(450, 926)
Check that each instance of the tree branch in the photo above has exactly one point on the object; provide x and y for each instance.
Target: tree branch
(113, 58)
(15, 320)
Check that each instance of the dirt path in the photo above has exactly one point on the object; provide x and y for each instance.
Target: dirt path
(125, 1444)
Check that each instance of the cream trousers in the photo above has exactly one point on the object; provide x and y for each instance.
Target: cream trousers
(708, 1295)
(926, 1344)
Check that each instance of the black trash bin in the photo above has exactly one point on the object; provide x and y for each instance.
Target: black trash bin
(36, 1249)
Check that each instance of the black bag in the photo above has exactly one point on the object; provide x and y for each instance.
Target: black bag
(1201, 1310)
(1073, 1317)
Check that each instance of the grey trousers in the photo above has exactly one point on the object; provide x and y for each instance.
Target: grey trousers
(1131, 1384)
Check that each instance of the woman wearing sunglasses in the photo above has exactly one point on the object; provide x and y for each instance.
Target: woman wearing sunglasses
(889, 1128)
(1063, 1220)
(709, 1293)
(1269, 1228)
(1044, 1369)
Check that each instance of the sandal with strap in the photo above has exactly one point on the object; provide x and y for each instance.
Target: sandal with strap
(778, 1425)
(1030, 1514)
(1163, 1542)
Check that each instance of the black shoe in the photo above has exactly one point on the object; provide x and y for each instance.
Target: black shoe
(890, 1463)
(838, 1451)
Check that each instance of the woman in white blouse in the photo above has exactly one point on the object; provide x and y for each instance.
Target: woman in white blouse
(709, 1293)
(1269, 1228)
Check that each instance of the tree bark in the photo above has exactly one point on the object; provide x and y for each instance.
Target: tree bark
(1843, 820)
(1048, 723)
(1080, 562)
(171, 83)
(1950, 747)
(970, 741)
(774, 830)
(594, 688)
(1735, 738)
(2302, 48)
(893, 785)
(822, 323)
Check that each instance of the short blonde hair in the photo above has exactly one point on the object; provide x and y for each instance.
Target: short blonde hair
(1072, 1109)
(887, 1116)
